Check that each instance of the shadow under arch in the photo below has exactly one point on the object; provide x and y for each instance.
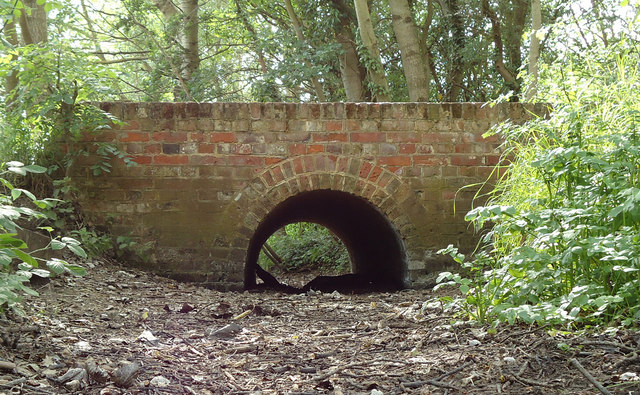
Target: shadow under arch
(375, 246)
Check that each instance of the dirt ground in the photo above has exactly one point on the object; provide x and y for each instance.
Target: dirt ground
(122, 331)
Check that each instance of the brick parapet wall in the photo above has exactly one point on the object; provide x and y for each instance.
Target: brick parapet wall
(194, 158)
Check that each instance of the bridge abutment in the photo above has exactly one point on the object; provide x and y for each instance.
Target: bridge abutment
(214, 180)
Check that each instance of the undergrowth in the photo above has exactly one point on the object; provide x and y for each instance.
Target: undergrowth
(563, 243)
(307, 246)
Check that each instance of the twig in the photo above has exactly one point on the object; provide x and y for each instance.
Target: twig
(13, 383)
(529, 381)
(622, 347)
(334, 370)
(589, 377)
(454, 371)
(436, 381)
(7, 365)
(418, 384)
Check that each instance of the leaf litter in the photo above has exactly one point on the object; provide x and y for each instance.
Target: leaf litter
(123, 331)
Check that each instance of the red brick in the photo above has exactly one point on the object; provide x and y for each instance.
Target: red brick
(458, 160)
(169, 137)
(493, 160)
(197, 136)
(272, 160)
(171, 159)
(395, 161)
(315, 148)
(142, 159)
(329, 137)
(153, 148)
(297, 165)
(242, 149)
(246, 160)
(308, 164)
(372, 137)
(206, 148)
(375, 173)
(365, 170)
(334, 126)
(135, 136)
(297, 149)
(132, 125)
(277, 174)
(428, 160)
(222, 137)
(408, 148)
(343, 163)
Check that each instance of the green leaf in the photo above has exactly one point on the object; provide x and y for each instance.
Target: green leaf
(76, 270)
(35, 169)
(57, 245)
(15, 193)
(77, 250)
(41, 273)
(56, 265)
(464, 289)
(25, 257)
(18, 170)
(15, 163)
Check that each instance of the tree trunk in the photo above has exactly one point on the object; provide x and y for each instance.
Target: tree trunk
(351, 70)
(34, 24)
(191, 59)
(11, 80)
(456, 73)
(508, 75)
(370, 42)
(414, 63)
(534, 50)
(297, 27)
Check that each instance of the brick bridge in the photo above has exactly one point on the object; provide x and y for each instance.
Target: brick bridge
(215, 180)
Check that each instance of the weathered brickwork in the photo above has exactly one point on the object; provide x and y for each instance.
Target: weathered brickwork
(210, 174)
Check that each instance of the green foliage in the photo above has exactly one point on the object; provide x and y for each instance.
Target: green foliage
(307, 246)
(564, 245)
(16, 265)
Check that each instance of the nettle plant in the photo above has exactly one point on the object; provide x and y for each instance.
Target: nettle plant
(564, 224)
(17, 266)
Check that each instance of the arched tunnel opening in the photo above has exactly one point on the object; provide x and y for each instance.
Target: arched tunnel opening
(374, 245)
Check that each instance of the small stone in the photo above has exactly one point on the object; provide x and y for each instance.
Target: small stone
(83, 346)
(376, 391)
(73, 385)
(226, 331)
(160, 381)
(474, 342)
(629, 376)
(509, 360)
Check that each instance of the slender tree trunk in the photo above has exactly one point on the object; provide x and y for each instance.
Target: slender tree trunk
(34, 24)
(534, 50)
(191, 60)
(11, 80)
(508, 75)
(351, 70)
(414, 62)
(370, 42)
(297, 27)
(456, 73)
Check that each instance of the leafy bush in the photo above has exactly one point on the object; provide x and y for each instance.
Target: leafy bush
(565, 239)
(14, 276)
(306, 246)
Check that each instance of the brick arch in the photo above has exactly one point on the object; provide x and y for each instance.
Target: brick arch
(368, 189)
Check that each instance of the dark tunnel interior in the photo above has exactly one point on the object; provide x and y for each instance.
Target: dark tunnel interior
(374, 246)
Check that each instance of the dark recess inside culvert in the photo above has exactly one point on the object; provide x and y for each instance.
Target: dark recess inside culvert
(375, 247)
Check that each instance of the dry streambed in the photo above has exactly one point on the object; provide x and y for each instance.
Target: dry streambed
(120, 331)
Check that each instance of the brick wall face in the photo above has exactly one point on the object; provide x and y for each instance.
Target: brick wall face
(209, 173)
